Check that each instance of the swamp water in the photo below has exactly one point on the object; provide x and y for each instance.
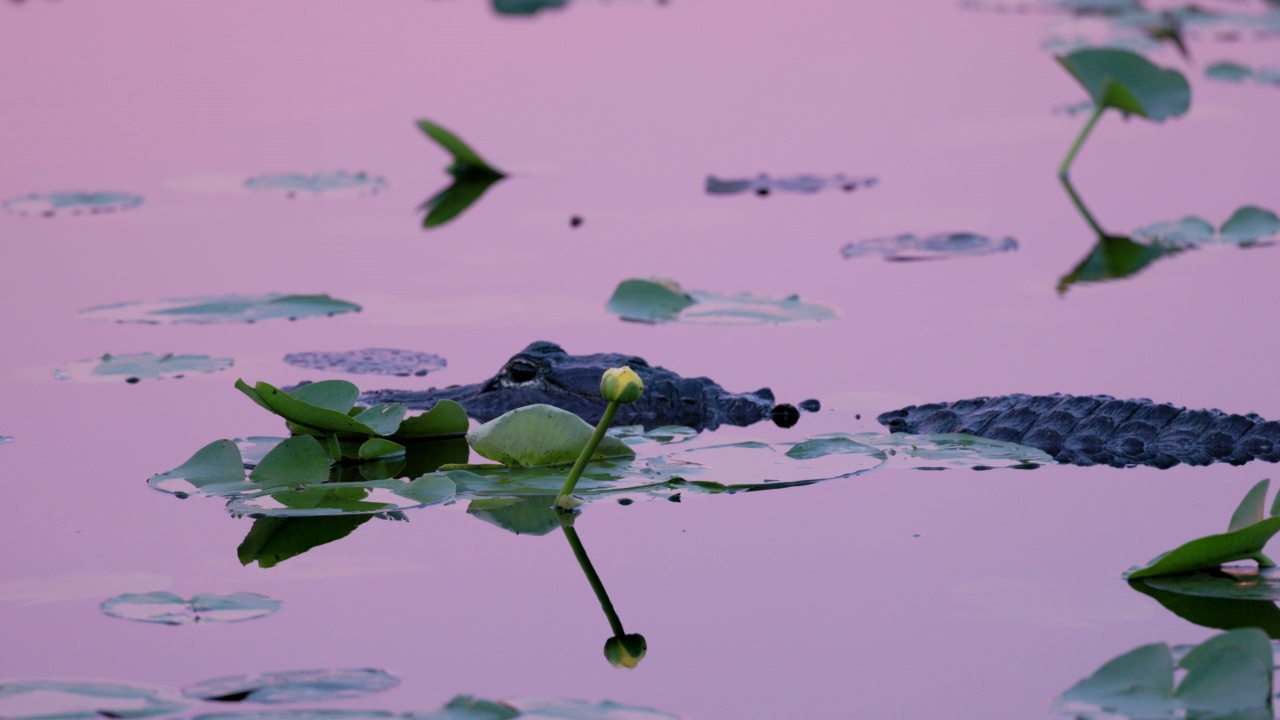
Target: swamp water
(896, 592)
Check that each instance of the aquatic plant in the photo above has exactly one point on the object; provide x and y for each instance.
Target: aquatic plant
(623, 649)
(170, 609)
(472, 176)
(1227, 676)
(618, 386)
(1247, 534)
(220, 309)
(72, 203)
(140, 366)
(1220, 599)
(764, 185)
(1127, 82)
(335, 184)
(910, 247)
(374, 361)
(663, 300)
(1237, 73)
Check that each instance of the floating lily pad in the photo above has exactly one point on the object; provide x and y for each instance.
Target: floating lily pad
(763, 184)
(170, 609)
(294, 687)
(663, 300)
(1227, 676)
(1245, 538)
(526, 7)
(141, 366)
(71, 203)
(223, 309)
(1232, 583)
(665, 434)
(1248, 225)
(540, 435)
(1129, 83)
(1233, 72)
(374, 361)
(910, 247)
(217, 468)
(1219, 613)
(334, 184)
(301, 715)
(345, 498)
(471, 173)
(77, 700)
(583, 710)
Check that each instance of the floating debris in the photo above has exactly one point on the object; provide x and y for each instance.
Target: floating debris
(910, 247)
(140, 366)
(1236, 73)
(294, 686)
(335, 184)
(72, 203)
(763, 184)
(220, 309)
(369, 361)
(170, 609)
(663, 300)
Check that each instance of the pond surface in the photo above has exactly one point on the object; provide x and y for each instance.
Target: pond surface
(893, 593)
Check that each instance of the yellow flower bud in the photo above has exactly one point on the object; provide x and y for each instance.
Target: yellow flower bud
(625, 650)
(621, 385)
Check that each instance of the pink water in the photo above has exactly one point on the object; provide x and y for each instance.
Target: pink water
(818, 601)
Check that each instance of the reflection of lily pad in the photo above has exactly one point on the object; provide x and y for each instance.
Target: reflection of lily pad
(141, 366)
(1214, 612)
(335, 184)
(272, 540)
(909, 247)
(295, 686)
(223, 309)
(764, 185)
(57, 204)
(663, 300)
(170, 609)
(527, 515)
(376, 361)
(72, 700)
(472, 175)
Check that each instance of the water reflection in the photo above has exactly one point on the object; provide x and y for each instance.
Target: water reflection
(1236, 607)
(623, 649)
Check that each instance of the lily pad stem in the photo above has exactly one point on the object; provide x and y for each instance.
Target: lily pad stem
(587, 451)
(580, 552)
(1084, 211)
(1065, 169)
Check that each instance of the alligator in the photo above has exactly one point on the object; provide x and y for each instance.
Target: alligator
(1099, 429)
(545, 373)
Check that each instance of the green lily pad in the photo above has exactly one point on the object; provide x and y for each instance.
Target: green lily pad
(326, 714)
(223, 309)
(170, 609)
(378, 448)
(296, 461)
(1236, 73)
(1219, 613)
(526, 7)
(72, 203)
(606, 477)
(1225, 675)
(463, 155)
(1231, 583)
(540, 435)
(472, 177)
(272, 540)
(763, 184)
(294, 687)
(656, 300)
(446, 418)
(79, 700)
(665, 434)
(939, 246)
(1129, 83)
(335, 395)
(141, 366)
(663, 300)
(345, 498)
(584, 710)
(1250, 224)
(836, 444)
(1114, 258)
(293, 408)
(333, 184)
(216, 467)
(1245, 538)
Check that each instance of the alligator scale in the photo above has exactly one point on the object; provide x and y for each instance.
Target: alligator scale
(545, 373)
(1100, 430)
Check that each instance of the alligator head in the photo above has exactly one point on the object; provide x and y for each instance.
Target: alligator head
(545, 373)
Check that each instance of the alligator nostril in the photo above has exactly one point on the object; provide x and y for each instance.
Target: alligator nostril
(784, 415)
(521, 371)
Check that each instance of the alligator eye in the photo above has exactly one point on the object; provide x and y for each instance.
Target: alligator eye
(521, 371)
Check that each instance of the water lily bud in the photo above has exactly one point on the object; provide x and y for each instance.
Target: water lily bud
(625, 650)
(621, 385)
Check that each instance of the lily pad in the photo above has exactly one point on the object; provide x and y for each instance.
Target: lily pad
(665, 434)
(663, 300)
(526, 7)
(369, 361)
(584, 710)
(1219, 613)
(1236, 73)
(170, 609)
(319, 406)
(472, 174)
(446, 418)
(1246, 226)
(72, 203)
(763, 184)
(329, 714)
(540, 435)
(294, 687)
(1129, 83)
(1227, 676)
(334, 184)
(80, 700)
(1245, 538)
(345, 498)
(296, 461)
(941, 246)
(215, 468)
(1232, 583)
(141, 366)
(221, 309)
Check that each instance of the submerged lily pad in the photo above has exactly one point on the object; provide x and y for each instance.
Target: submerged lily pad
(72, 203)
(941, 246)
(171, 609)
(663, 300)
(220, 309)
(295, 686)
(540, 435)
(764, 185)
(1129, 83)
(1227, 676)
(141, 366)
(334, 184)
(374, 361)
(80, 700)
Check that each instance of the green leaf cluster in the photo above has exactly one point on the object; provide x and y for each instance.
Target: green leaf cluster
(1246, 536)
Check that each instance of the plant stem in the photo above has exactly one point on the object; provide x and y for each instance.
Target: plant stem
(1065, 168)
(1084, 211)
(580, 552)
(587, 452)
(335, 448)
